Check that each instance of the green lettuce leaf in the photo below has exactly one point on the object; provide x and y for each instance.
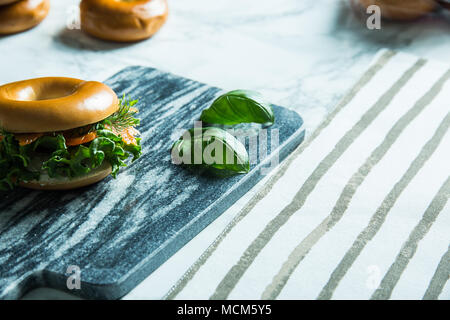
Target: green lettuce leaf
(21, 163)
(14, 161)
(62, 161)
(80, 160)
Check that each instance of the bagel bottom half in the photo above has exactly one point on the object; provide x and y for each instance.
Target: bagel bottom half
(22, 15)
(47, 183)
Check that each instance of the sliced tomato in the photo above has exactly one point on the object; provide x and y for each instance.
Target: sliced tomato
(27, 138)
(71, 142)
(128, 136)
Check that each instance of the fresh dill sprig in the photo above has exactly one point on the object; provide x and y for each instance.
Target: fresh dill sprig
(124, 117)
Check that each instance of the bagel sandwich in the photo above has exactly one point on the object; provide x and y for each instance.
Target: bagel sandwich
(64, 133)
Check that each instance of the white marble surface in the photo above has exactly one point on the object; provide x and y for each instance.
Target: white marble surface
(300, 54)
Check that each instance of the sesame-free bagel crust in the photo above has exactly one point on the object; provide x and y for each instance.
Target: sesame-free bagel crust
(400, 9)
(54, 104)
(22, 15)
(46, 183)
(123, 21)
(4, 2)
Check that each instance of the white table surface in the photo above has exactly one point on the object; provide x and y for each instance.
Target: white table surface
(299, 54)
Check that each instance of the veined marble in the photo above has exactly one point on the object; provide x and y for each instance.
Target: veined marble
(118, 231)
(300, 54)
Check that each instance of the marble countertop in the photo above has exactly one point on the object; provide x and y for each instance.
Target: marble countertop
(300, 54)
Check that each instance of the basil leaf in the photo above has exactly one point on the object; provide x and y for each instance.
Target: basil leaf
(239, 106)
(212, 149)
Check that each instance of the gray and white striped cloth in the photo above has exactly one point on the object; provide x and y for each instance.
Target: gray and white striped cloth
(359, 211)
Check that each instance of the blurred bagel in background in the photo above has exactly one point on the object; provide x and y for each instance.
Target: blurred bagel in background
(401, 10)
(3, 2)
(123, 20)
(444, 3)
(22, 15)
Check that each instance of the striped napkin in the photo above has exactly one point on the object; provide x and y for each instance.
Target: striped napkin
(359, 211)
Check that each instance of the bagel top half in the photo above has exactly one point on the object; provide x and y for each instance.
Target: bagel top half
(5, 2)
(54, 104)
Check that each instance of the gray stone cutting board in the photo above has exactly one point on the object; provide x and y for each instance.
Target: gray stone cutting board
(119, 231)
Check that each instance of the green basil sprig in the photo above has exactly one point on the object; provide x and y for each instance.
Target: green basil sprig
(239, 106)
(212, 149)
